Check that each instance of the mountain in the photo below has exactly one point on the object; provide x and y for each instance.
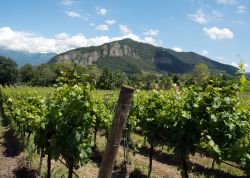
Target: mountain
(22, 57)
(130, 56)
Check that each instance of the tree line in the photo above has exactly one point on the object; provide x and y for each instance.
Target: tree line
(101, 78)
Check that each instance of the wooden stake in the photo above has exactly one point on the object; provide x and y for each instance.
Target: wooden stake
(114, 140)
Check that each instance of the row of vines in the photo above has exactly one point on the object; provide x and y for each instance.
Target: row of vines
(61, 124)
(208, 119)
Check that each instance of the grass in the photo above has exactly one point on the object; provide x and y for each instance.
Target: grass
(43, 91)
(13, 91)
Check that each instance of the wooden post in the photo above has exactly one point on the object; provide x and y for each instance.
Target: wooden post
(114, 140)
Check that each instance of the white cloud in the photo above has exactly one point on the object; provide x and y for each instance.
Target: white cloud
(75, 14)
(219, 58)
(101, 11)
(92, 24)
(68, 2)
(23, 41)
(235, 64)
(226, 2)
(245, 65)
(204, 52)
(72, 14)
(199, 17)
(102, 27)
(177, 49)
(124, 29)
(204, 18)
(151, 32)
(218, 33)
(150, 40)
(62, 36)
(241, 9)
(110, 22)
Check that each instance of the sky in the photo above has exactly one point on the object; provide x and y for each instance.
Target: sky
(218, 29)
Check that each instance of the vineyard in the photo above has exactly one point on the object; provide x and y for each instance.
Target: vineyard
(68, 121)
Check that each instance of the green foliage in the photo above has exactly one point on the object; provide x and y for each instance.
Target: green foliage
(70, 113)
(166, 82)
(109, 80)
(72, 74)
(201, 73)
(40, 75)
(64, 72)
(146, 80)
(103, 111)
(62, 123)
(44, 76)
(8, 71)
(27, 73)
(30, 112)
(26, 109)
(1, 101)
(209, 118)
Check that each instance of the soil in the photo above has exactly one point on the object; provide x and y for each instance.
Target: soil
(13, 163)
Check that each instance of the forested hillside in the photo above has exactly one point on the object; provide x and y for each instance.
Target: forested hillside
(131, 57)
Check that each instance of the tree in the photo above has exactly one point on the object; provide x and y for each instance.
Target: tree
(201, 73)
(75, 74)
(44, 76)
(145, 80)
(8, 71)
(107, 80)
(27, 73)
(166, 82)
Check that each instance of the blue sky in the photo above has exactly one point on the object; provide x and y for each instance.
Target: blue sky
(218, 29)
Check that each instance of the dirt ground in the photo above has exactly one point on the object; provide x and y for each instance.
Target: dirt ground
(12, 161)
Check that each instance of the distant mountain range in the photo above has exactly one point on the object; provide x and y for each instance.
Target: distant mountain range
(130, 56)
(22, 57)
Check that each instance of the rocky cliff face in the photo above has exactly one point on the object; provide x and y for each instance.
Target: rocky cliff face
(130, 56)
(117, 49)
(114, 49)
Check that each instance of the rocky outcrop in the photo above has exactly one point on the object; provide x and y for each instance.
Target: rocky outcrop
(130, 57)
(114, 49)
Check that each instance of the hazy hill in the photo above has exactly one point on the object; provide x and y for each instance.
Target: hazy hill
(131, 56)
(22, 57)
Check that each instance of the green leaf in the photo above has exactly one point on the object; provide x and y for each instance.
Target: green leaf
(214, 118)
